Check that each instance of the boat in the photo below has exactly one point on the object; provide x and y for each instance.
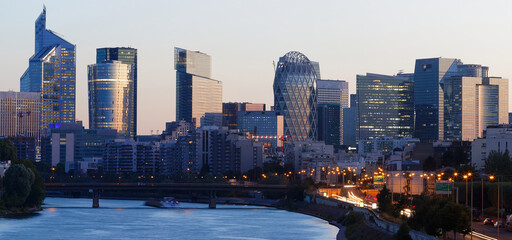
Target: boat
(166, 202)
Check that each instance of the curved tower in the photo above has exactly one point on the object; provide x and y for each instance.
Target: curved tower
(111, 102)
(295, 95)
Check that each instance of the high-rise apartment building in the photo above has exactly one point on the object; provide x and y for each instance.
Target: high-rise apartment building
(125, 55)
(52, 72)
(295, 95)
(385, 106)
(332, 92)
(429, 76)
(196, 92)
(20, 114)
(111, 102)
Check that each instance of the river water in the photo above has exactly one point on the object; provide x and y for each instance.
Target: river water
(127, 219)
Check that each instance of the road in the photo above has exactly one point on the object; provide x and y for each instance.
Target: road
(489, 232)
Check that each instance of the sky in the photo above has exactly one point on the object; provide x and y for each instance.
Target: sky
(244, 38)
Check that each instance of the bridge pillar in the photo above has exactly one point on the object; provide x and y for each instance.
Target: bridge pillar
(95, 198)
(213, 196)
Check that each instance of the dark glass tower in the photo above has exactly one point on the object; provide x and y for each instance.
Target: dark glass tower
(52, 72)
(127, 56)
(295, 96)
(429, 77)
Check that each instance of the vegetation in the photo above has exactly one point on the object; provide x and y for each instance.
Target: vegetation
(384, 200)
(499, 163)
(356, 228)
(22, 186)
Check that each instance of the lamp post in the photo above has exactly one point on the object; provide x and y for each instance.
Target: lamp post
(466, 178)
(471, 220)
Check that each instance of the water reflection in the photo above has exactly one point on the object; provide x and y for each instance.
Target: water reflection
(121, 219)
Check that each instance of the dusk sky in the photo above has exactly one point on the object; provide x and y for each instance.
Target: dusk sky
(245, 37)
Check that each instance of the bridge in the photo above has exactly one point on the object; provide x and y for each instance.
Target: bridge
(96, 188)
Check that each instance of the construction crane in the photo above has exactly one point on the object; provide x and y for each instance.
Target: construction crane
(19, 115)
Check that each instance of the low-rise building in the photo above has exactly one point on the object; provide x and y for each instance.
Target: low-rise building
(495, 138)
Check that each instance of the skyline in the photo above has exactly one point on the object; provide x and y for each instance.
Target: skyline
(242, 51)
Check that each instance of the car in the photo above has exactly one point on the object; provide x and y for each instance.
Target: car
(500, 224)
(489, 221)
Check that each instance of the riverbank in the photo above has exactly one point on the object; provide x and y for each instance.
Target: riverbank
(17, 212)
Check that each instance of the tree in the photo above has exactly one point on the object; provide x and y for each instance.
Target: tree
(429, 164)
(37, 189)
(454, 217)
(17, 185)
(498, 163)
(384, 200)
(7, 150)
(403, 232)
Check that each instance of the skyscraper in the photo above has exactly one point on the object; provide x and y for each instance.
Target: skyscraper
(127, 56)
(295, 95)
(349, 122)
(429, 76)
(385, 106)
(111, 102)
(333, 92)
(456, 101)
(52, 72)
(472, 104)
(196, 92)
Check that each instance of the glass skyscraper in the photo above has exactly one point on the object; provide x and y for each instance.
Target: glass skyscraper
(332, 92)
(385, 106)
(429, 76)
(111, 98)
(295, 95)
(196, 92)
(125, 55)
(52, 72)
(329, 124)
(456, 101)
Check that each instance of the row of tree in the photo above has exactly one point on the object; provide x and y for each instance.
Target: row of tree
(433, 215)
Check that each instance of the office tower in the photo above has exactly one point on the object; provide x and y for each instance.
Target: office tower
(385, 106)
(265, 127)
(125, 55)
(196, 92)
(111, 102)
(349, 123)
(333, 92)
(295, 96)
(52, 72)
(472, 104)
(429, 76)
(329, 124)
(20, 114)
(230, 110)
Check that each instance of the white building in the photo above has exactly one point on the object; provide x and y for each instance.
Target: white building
(495, 138)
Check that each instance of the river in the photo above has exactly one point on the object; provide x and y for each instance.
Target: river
(64, 218)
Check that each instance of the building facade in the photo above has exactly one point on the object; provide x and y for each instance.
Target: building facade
(385, 106)
(333, 92)
(111, 102)
(429, 76)
(125, 55)
(495, 138)
(196, 92)
(52, 72)
(329, 124)
(295, 95)
(20, 114)
(472, 104)
(349, 122)
(231, 109)
(264, 126)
